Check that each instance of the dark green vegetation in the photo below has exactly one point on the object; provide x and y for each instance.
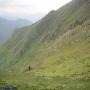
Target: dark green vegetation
(57, 49)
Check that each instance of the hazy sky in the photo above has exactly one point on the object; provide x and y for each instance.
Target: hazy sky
(28, 8)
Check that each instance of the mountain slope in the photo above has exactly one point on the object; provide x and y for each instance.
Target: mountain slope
(56, 47)
(8, 26)
(48, 30)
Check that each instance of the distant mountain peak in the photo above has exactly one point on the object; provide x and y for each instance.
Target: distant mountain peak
(8, 26)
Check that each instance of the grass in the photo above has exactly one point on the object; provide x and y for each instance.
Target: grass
(47, 83)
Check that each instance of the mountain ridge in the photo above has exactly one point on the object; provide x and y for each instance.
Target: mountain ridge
(40, 34)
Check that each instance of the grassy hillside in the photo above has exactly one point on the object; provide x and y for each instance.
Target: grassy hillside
(57, 48)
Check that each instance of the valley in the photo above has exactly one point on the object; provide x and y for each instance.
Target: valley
(51, 54)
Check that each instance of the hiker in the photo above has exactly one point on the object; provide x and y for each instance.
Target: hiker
(29, 68)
